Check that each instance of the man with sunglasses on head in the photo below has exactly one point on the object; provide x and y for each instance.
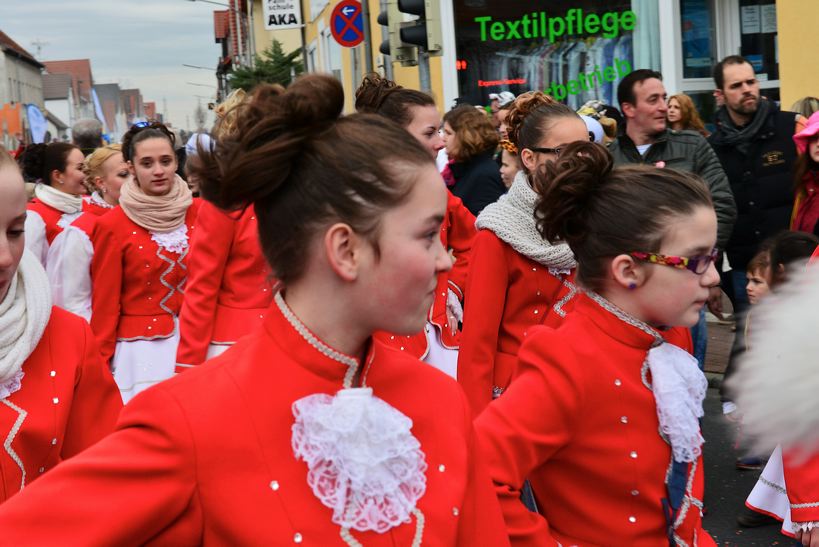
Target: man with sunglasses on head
(647, 139)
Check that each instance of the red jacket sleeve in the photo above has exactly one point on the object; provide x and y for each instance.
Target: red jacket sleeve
(802, 478)
(134, 484)
(483, 312)
(460, 239)
(516, 439)
(97, 402)
(106, 291)
(480, 521)
(210, 247)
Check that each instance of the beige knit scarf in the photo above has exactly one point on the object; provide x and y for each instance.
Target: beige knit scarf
(156, 213)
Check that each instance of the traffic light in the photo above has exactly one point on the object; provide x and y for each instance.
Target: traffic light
(392, 18)
(426, 31)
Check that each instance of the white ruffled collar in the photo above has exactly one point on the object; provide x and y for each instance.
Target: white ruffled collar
(363, 461)
(99, 201)
(175, 241)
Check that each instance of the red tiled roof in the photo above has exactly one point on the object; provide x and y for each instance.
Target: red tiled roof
(7, 44)
(221, 25)
(80, 70)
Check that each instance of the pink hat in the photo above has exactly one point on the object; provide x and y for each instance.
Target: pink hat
(811, 130)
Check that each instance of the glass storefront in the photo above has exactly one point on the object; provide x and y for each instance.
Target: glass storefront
(758, 38)
(697, 31)
(574, 51)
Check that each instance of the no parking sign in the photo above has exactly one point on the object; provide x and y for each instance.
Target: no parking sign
(347, 24)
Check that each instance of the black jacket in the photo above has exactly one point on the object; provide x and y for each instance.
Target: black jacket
(762, 183)
(686, 151)
(477, 182)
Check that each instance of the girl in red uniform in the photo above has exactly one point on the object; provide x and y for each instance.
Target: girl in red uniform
(229, 286)
(307, 431)
(516, 280)
(57, 169)
(56, 395)
(416, 112)
(105, 173)
(141, 263)
(70, 259)
(602, 416)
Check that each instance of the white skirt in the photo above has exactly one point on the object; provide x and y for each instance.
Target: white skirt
(215, 350)
(139, 364)
(439, 356)
(770, 496)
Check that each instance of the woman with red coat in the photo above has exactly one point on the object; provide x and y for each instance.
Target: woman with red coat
(602, 415)
(70, 261)
(516, 280)
(416, 112)
(307, 431)
(56, 395)
(229, 285)
(57, 169)
(141, 252)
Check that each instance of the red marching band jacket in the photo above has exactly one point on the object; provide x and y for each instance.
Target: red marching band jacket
(579, 421)
(802, 480)
(457, 234)
(68, 401)
(138, 286)
(206, 457)
(506, 294)
(229, 285)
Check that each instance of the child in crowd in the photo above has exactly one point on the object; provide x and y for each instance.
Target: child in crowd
(759, 275)
(510, 164)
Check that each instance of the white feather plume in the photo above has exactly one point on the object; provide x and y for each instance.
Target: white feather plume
(777, 381)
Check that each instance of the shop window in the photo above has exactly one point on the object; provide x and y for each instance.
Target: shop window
(758, 38)
(698, 38)
(575, 51)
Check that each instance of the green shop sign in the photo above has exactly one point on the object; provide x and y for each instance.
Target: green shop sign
(575, 23)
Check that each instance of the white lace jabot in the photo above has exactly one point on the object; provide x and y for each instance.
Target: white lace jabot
(679, 388)
(175, 241)
(363, 461)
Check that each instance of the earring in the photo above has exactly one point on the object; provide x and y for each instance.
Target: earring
(61, 181)
(632, 286)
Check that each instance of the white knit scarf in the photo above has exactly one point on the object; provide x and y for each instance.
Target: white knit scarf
(512, 219)
(24, 314)
(65, 203)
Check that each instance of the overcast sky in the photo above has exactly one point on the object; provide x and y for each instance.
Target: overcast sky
(135, 43)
